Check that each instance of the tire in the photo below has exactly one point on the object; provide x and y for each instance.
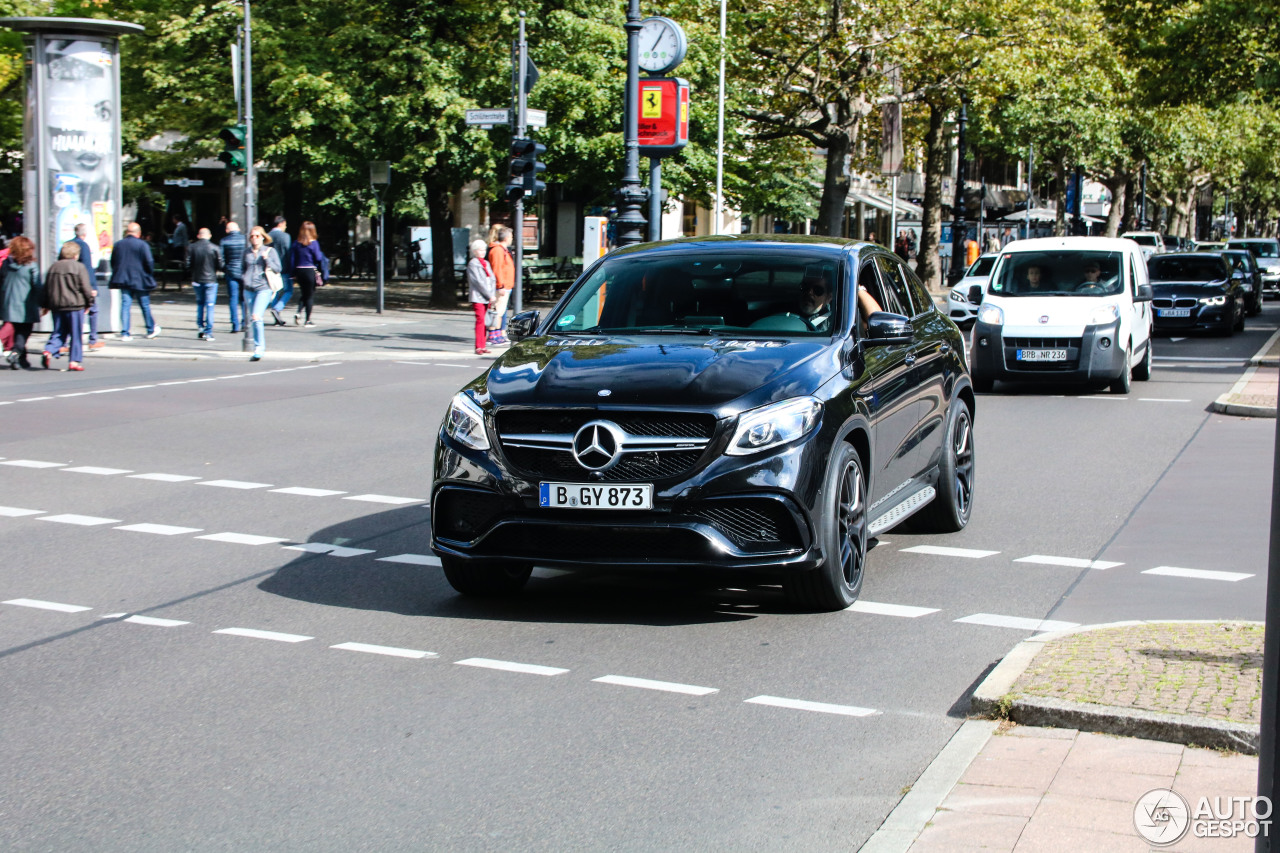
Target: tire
(1122, 383)
(835, 584)
(1256, 308)
(950, 510)
(1239, 326)
(486, 578)
(1143, 371)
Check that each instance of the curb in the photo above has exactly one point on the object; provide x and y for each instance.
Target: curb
(1225, 405)
(994, 698)
(1261, 358)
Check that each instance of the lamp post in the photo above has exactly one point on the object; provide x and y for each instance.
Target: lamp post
(632, 193)
(718, 213)
(957, 269)
(379, 180)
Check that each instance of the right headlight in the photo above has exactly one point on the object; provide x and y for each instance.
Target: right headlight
(464, 422)
(990, 314)
(769, 426)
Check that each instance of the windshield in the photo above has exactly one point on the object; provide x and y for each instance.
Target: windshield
(1144, 239)
(1058, 273)
(1186, 268)
(744, 292)
(1259, 249)
(982, 266)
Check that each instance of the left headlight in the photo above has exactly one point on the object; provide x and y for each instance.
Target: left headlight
(778, 423)
(1104, 314)
(465, 422)
(1214, 300)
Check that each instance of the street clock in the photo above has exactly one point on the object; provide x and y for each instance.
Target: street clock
(662, 45)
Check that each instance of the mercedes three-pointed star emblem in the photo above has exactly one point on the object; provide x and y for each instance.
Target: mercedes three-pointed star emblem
(596, 445)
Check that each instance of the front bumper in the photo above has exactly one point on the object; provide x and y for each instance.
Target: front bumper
(1095, 356)
(1271, 282)
(1203, 318)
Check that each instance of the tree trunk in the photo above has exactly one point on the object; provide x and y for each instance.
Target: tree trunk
(1060, 223)
(444, 287)
(1129, 221)
(1189, 211)
(1118, 183)
(928, 266)
(835, 186)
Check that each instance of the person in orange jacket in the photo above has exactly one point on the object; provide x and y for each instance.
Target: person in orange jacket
(504, 270)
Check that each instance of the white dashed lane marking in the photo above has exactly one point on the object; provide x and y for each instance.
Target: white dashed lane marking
(18, 512)
(90, 469)
(805, 705)
(1022, 624)
(31, 463)
(665, 686)
(255, 634)
(390, 651)
(1069, 562)
(1199, 574)
(331, 550)
(942, 551)
(309, 493)
(384, 499)
(82, 520)
(1162, 400)
(233, 484)
(156, 622)
(159, 529)
(904, 610)
(412, 559)
(164, 478)
(511, 666)
(46, 605)
(243, 538)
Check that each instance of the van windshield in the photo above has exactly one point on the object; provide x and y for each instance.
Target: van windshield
(1058, 273)
(741, 292)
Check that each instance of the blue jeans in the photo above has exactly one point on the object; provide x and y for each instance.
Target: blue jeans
(286, 293)
(233, 301)
(127, 295)
(68, 326)
(206, 297)
(256, 306)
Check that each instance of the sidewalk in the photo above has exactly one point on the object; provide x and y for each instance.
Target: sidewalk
(1054, 771)
(1254, 395)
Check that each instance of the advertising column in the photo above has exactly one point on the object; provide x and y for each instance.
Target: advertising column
(72, 140)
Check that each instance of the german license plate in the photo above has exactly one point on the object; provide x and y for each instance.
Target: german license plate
(1174, 312)
(595, 496)
(1042, 355)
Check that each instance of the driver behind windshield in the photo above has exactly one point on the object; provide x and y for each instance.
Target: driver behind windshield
(814, 304)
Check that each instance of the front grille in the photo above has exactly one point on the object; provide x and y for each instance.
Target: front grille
(603, 543)
(1041, 343)
(1071, 345)
(464, 514)
(557, 421)
(1166, 302)
(559, 464)
(755, 524)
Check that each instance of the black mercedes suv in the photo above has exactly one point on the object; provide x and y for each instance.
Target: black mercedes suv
(761, 404)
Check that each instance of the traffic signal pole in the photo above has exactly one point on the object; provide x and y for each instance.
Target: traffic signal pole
(250, 171)
(522, 127)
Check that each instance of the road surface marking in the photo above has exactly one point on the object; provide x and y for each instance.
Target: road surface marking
(82, 520)
(310, 493)
(412, 559)
(163, 478)
(1162, 400)
(255, 634)
(943, 551)
(1069, 562)
(90, 469)
(47, 605)
(138, 387)
(234, 484)
(804, 705)
(890, 609)
(1100, 397)
(1214, 359)
(647, 684)
(18, 512)
(156, 622)
(75, 394)
(34, 399)
(160, 529)
(243, 538)
(384, 499)
(1201, 574)
(508, 666)
(331, 550)
(384, 650)
(994, 621)
(31, 463)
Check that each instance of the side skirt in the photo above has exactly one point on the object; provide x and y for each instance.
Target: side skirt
(903, 510)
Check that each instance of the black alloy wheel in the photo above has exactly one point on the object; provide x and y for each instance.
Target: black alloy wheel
(836, 583)
(950, 510)
(1240, 312)
(486, 578)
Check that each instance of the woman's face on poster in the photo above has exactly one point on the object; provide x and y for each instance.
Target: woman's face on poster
(79, 109)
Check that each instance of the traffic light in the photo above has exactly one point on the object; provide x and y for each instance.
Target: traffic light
(525, 168)
(233, 144)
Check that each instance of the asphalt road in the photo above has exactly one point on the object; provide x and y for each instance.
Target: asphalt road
(207, 696)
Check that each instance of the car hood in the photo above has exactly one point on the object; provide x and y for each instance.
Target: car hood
(1052, 316)
(1269, 264)
(1191, 288)
(655, 370)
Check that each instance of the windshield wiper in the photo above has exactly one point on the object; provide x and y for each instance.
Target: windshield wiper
(653, 330)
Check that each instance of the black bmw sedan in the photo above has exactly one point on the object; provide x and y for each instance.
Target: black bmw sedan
(756, 404)
(1196, 291)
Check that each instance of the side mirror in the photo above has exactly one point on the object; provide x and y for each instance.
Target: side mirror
(885, 329)
(975, 294)
(522, 325)
(1144, 293)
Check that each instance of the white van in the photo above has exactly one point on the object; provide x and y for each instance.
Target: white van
(1065, 309)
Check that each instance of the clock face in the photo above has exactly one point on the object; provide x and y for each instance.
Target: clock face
(662, 45)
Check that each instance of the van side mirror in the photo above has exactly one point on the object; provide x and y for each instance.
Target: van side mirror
(522, 325)
(1143, 294)
(975, 294)
(886, 329)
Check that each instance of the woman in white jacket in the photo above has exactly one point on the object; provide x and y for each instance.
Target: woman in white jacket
(483, 287)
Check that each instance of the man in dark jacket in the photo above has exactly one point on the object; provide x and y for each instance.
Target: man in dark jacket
(232, 248)
(67, 293)
(133, 275)
(86, 258)
(206, 260)
(280, 241)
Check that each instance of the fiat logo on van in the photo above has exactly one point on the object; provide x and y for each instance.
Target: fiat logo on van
(1044, 319)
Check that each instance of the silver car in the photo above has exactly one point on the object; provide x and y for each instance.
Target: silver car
(959, 308)
(1266, 250)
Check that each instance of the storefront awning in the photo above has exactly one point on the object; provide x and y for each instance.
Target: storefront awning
(906, 210)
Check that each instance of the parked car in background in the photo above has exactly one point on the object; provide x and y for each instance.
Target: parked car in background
(1065, 309)
(1245, 265)
(1210, 246)
(960, 308)
(1267, 252)
(1152, 242)
(1196, 291)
